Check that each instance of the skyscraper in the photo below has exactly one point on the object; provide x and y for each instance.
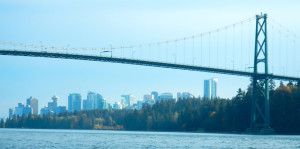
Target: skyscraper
(91, 101)
(74, 102)
(210, 88)
(127, 100)
(214, 88)
(11, 112)
(148, 98)
(19, 109)
(165, 96)
(34, 104)
(155, 94)
(27, 110)
(84, 101)
(117, 106)
(45, 111)
(60, 109)
(52, 105)
(101, 102)
(184, 95)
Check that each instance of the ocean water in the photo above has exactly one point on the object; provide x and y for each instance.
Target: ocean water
(55, 138)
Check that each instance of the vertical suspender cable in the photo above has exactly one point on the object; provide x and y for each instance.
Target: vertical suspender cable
(217, 48)
(149, 50)
(209, 50)
(272, 48)
(226, 48)
(175, 55)
(122, 53)
(286, 56)
(158, 52)
(193, 46)
(233, 46)
(280, 51)
(184, 50)
(249, 39)
(201, 50)
(167, 51)
(294, 58)
(241, 46)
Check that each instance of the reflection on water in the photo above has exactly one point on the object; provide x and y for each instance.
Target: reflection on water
(54, 138)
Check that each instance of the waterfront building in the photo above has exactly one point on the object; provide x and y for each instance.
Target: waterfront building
(155, 95)
(45, 111)
(148, 98)
(74, 102)
(101, 102)
(117, 106)
(11, 112)
(105, 104)
(184, 95)
(27, 110)
(60, 109)
(140, 105)
(214, 88)
(165, 96)
(19, 109)
(127, 100)
(84, 101)
(109, 106)
(91, 101)
(52, 105)
(34, 104)
(210, 88)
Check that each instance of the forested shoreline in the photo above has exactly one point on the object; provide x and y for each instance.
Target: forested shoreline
(216, 115)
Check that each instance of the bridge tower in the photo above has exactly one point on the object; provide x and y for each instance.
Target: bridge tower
(260, 110)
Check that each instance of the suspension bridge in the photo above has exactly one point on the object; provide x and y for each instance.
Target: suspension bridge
(241, 49)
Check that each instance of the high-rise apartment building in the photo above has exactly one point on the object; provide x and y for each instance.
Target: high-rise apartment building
(27, 110)
(11, 112)
(165, 96)
(74, 102)
(91, 101)
(34, 104)
(148, 98)
(127, 100)
(117, 106)
(210, 88)
(19, 109)
(60, 109)
(101, 102)
(184, 95)
(155, 95)
(45, 111)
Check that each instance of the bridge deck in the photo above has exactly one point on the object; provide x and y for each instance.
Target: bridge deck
(140, 62)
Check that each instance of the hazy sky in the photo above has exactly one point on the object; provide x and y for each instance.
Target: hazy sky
(75, 23)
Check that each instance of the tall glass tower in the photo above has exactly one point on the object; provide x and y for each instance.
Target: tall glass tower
(210, 88)
(74, 102)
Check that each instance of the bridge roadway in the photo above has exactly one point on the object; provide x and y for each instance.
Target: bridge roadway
(140, 62)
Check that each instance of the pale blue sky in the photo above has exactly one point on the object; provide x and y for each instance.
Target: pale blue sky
(101, 23)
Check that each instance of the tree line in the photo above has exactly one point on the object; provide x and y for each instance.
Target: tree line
(210, 115)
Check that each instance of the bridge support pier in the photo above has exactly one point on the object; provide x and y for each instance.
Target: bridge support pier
(260, 110)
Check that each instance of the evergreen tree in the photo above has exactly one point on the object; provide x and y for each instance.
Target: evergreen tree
(2, 125)
(215, 115)
(281, 84)
(272, 85)
(290, 84)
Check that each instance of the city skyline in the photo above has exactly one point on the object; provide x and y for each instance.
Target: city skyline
(98, 25)
(80, 104)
